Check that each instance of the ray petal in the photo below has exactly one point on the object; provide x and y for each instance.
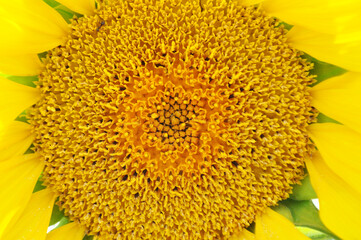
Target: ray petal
(34, 220)
(85, 7)
(340, 98)
(18, 178)
(325, 16)
(30, 26)
(327, 48)
(244, 235)
(339, 203)
(70, 231)
(270, 225)
(20, 65)
(14, 98)
(340, 149)
(15, 140)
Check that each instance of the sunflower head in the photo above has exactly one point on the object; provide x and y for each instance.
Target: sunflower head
(175, 119)
(155, 110)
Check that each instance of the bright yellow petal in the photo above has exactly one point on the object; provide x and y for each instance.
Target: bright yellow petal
(30, 26)
(272, 226)
(340, 99)
(34, 220)
(70, 231)
(326, 16)
(327, 48)
(15, 140)
(339, 203)
(20, 65)
(340, 149)
(85, 7)
(244, 235)
(14, 98)
(18, 178)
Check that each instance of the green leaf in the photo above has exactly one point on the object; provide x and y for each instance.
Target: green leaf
(305, 214)
(303, 191)
(88, 237)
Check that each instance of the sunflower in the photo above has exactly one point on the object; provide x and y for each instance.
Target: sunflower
(171, 119)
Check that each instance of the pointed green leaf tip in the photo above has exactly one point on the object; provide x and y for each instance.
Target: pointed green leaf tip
(303, 191)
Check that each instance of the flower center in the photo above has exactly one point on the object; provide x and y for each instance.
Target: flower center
(162, 119)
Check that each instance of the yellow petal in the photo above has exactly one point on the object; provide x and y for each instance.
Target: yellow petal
(14, 98)
(30, 26)
(340, 149)
(272, 226)
(18, 177)
(326, 16)
(34, 220)
(15, 140)
(340, 98)
(244, 235)
(85, 7)
(70, 231)
(339, 203)
(327, 48)
(20, 65)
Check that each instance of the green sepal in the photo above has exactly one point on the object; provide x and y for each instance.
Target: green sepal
(23, 117)
(39, 185)
(286, 26)
(283, 210)
(322, 118)
(58, 218)
(304, 191)
(314, 234)
(25, 80)
(62, 222)
(323, 70)
(52, 3)
(88, 237)
(305, 214)
(57, 215)
(65, 12)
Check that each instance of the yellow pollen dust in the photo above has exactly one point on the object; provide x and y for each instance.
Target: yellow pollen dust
(172, 119)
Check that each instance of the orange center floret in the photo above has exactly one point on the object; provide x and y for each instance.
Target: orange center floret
(163, 120)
